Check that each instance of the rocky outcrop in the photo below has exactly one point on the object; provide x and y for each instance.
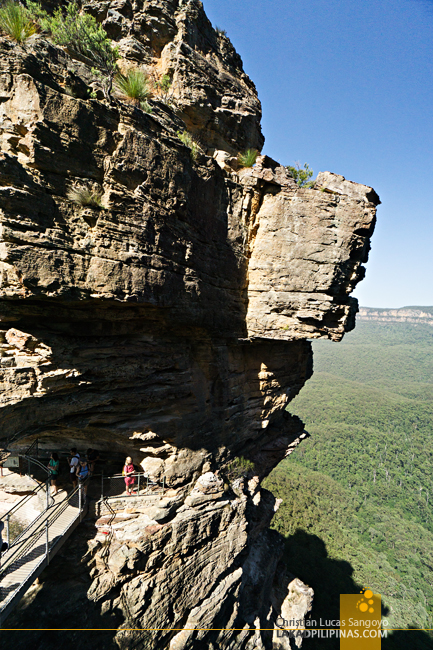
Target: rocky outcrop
(171, 323)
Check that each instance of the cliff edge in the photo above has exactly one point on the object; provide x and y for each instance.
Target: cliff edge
(171, 323)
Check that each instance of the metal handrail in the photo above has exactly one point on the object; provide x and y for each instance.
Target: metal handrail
(30, 550)
(20, 503)
(36, 462)
(55, 513)
(143, 475)
(40, 515)
(30, 448)
(106, 550)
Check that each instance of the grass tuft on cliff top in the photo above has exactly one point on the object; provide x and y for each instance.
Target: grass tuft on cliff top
(248, 158)
(219, 31)
(16, 22)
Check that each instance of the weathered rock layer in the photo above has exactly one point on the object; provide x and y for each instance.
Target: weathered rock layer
(172, 323)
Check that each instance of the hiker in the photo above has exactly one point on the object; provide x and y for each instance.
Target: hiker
(3, 545)
(53, 466)
(83, 473)
(73, 461)
(92, 457)
(127, 472)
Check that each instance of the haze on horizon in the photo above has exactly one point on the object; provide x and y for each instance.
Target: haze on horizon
(347, 88)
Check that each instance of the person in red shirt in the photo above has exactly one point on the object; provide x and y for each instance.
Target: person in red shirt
(128, 471)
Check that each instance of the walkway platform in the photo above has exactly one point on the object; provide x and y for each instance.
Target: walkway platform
(32, 551)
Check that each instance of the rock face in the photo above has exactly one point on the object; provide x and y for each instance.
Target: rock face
(172, 323)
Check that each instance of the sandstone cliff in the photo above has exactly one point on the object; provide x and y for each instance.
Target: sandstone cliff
(420, 315)
(173, 324)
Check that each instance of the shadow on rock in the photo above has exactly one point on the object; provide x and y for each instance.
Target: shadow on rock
(307, 557)
(61, 604)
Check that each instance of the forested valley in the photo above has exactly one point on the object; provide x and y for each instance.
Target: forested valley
(358, 494)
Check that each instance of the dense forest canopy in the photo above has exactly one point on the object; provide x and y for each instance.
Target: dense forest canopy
(358, 494)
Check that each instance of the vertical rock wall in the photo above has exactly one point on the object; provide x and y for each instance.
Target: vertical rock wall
(171, 324)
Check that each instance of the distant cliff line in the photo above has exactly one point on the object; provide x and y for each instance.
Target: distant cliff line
(423, 315)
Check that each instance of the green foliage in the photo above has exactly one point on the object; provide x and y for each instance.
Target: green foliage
(301, 174)
(164, 84)
(36, 12)
(238, 467)
(133, 85)
(163, 87)
(220, 32)
(362, 484)
(336, 545)
(16, 21)
(82, 34)
(189, 141)
(85, 197)
(248, 158)
(146, 107)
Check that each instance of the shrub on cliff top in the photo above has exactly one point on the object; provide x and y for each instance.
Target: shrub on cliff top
(239, 467)
(16, 21)
(248, 158)
(301, 174)
(82, 34)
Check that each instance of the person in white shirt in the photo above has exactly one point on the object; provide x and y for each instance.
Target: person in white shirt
(73, 461)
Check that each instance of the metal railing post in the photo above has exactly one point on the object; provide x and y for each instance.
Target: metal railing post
(138, 490)
(47, 542)
(7, 530)
(79, 498)
(102, 486)
(47, 484)
(163, 484)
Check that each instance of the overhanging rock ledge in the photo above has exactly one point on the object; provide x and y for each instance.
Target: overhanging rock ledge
(173, 324)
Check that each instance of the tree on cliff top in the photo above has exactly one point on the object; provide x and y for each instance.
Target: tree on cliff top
(301, 174)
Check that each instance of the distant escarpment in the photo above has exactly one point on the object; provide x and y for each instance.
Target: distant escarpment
(420, 315)
(172, 322)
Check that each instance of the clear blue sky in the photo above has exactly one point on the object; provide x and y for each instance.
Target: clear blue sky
(347, 87)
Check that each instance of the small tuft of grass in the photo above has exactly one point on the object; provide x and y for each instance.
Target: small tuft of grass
(248, 158)
(133, 86)
(71, 92)
(164, 84)
(85, 197)
(189, 141)
(15, 21)
(220, 32)
(146, 107)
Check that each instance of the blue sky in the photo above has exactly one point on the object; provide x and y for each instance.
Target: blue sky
(347, 87)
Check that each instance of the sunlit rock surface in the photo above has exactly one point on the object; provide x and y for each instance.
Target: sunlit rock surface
(172, 324)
